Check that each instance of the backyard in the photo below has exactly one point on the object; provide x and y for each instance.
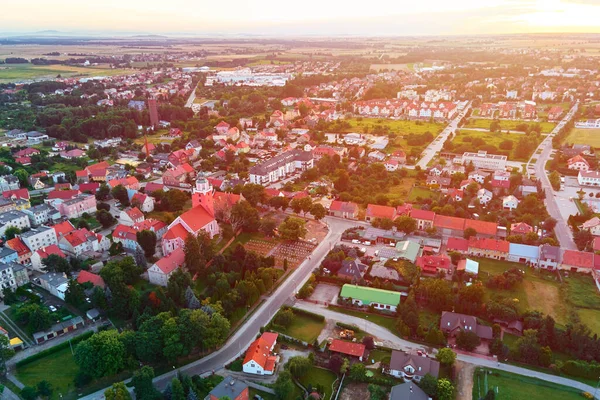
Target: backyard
(508, 124)
(583, 296)
(513, 386)
(303, 327)
(584, 136)
(320, 376)
(417, 193)
(463, 141)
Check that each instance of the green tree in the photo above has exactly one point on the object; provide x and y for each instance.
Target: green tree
(11, 232)
(29, 393)
(147, 240)
(429, 385)
(267, 226)
(36, 317)
(298, 366)
(101, 355)
(245, 216)
(254, 194)
(119, 192)
(103, 192)
(446, 356)
(292, 228)
(118, 391)
(554, 179)
(105, 218)
(467, 340)
(490, 395)
(44, 388)
(377, 392)
(358, 372)
(283, 385)
(469, 233)
(56, 263)
(142, 384)
(23, 177)
(445, 390)
(6, 353)
(177, 392)
(318, 211)
(284, 317)
(75, 294)
(582, 239)
(405, 224)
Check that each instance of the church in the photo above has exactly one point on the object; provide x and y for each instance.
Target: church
(201, 217)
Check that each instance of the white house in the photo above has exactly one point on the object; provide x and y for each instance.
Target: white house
(38, 238)
(578, 163)
(392, 165)
(592, 225)
(412, 367)
(484, 196)
(588, 178)
(259, 359)
(160, 272)
(510, 202)
(17, 219)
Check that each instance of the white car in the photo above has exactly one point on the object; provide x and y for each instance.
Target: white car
(52, 308)
(363, 249)
(367, 243)
(355, 241)
(392, 244)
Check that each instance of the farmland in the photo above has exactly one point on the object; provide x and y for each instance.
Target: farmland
(22, 72)
(584, 136)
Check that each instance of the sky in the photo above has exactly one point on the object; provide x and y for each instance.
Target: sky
(302, 17)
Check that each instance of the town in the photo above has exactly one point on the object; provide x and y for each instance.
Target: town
(199, 221)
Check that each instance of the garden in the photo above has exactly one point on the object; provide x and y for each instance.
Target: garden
(299, 324)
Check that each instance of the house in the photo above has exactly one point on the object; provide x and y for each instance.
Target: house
(143, 201)
(434, 264)
(424, 218)
(449, 226)
(343, 209)
(592, 225)
(578, 163)
(351, 349)
(452, 323)
(160, 272)
(178, 176)
(8, 255)
(468, 266)
(154, 225)
(412, 367)
(549, 257)
(63, 228)
(130, 182)
(520, 228)
(82, 241)
(485, 161)
(259, 359)
(131, 216)
(56, 197)
(523, 253)
(230, 388)
(201, 217)
(13, 276)
(510, 202)
(17, 219)
(71, 154)
(281, 166)
(489, 248)
(86, 276)
(59, 329)
(484, 196)
(38, 256)
(152, 187)
(381, 212)
(555, 113)
(8, 182)
(577, 261)
(588, 178)
(127, 236)
(379, 270)
(77, 206)
(366, 296)
(439, 181)
(409, 391)
(408, 250)
(21, 248)
(392, 165)
(483, 228)
(56, 283)
(458, 245)
(37, 238)
(42, 214)
(479, 176)
(352, 270)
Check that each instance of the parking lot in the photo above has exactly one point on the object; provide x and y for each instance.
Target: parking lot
(325, 293)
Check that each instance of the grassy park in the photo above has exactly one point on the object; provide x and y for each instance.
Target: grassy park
(513, 386)
(584, 136)
(508, 124)
(396, 126)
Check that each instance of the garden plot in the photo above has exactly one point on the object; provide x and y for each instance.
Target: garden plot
(294, 252)
(261, 247)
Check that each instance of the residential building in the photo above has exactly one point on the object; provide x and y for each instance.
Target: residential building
(281, 166)
(343, 209)
(588, 178)
(42, 214)
(412, 367)
(21, 248)
(17, 219)
(523, 253)
(408, 250)
(578, 163)
(424, 218)
(458, 245)
(382, 212)
(367, 296)
(82, 241)
(160, 272)
(379, 270)
(143, 201)
(549, 257)
(484, 196)
(8, 255)
(577, 261)
(259, 359)
(409, 391)
(510, 202)
(485, 161)
(86, 276)
(77, 206)
(352, 270)
(489, 248)
(452, 323)
(56, 197)
(520, 228)
(12, 275)
(434, 264)
(592, 225)
(468, 266)
(37, 238)
(351, 349)
(127, 236)
(39, 255)
(9, 182)
(56, 283)
(230, 388)
(131, 216)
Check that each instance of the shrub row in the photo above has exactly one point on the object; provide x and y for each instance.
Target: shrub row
(308, 314)
(348, 326)
(54, 349)
(581, 369)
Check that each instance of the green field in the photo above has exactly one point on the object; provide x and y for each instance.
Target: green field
(508, 124)
(380, 355)
(493, 139)
(386, 322)
(395, 126)
(513, 386)
(320, 376)
(422, 193)
(303, 328)
(584, 136)
(18, 72)
(401, 191)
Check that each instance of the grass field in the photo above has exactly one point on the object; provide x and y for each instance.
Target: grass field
(508, 125)
(422, 193)
(320, 376)
(20, 72)
(380, 355)
(398, 127)
(304, 328)
(513, 386)
(386, 322)
(493, 139)
(584, 136)
(401, 191)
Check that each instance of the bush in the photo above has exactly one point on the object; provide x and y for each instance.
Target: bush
(308, 314)
(348, 326)
(54, 349)
(236, 365)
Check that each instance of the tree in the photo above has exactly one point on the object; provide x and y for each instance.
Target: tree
(279, 202)
(369, 342)
(345, 366)
(445, 390)
(335, 363)
(29, 393)
(429, 385)
(405, 224)
(267, 226)
(284, 317)
(490, 395)
(298, 366)
(318, 211)
(75, 294)
(245, 216)
(142, 384)
(254, 194)
(6, 353)
(446, 356)
(11, 232)
(118, 391)
(358, 372)
(44, 388)
(147, 240)
(119, 192)
(105, 218)
(469, 233)
(36, 317)
(102, 192)
(23, 177)
(101, 355)
(177, 392)
(582, 239)
(550, 223)
(377, 392)
(467, 340)
(292, 228)
(303, 205)
(283, 385)
(554, 179)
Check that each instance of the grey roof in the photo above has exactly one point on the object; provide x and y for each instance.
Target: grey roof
(35, 134)
(408, 390)
(35, 231)
(422, 365)
(6, 252)
(59, 327)
(10, 178)
(229, 387)
(550, 252)
(280, 160)
(379, 270)
(76, 199)
(54, 278)
(8, 216)
(352, 269)
(93, 313)
(451, 321)
(40, 208)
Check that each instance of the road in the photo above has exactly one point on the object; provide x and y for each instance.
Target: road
(562, 230)
(242, 338)
(191, 99)
(437, 145)
(401, 344)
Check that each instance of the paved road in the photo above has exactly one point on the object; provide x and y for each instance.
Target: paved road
(238, 343)
(437, 144)
(388, 337)
(191, 99)
(562, 230)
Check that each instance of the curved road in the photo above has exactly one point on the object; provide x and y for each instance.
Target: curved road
(244, 336)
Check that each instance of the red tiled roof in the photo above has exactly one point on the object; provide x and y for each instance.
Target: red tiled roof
(81, 174)
(91, 187)
(124, 232)
(228, 199)
(135, 213)
(377, 211)
(270, 338)
(62, 194)
(482, 227)
(196, 218)
(344, 206)
(259, 352)
(426, 215)
(63, 228)
(445, 222)
(44, 252)
(404, 209)
(489, 244)
(171, 262)
(18, 193)
(153, 187)
(432, 263)
(17, 245)
(500, 183)
(96, 280)
(597, 245)
(458, 244)
(349, 348)
(150, 225)
(520, 227)
(581, 259)
(98, 166)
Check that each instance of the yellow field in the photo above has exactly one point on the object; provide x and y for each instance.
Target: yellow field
(20, 72)
(545, 298)
(584, 136)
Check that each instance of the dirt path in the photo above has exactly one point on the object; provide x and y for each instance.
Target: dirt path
(464, 389)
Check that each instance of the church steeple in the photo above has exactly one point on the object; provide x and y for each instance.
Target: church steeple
(202, 195)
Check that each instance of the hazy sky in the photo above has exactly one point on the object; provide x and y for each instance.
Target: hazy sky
(354, 17)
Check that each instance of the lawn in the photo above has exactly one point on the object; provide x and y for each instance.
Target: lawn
(381, 320)
(493, 139)
(397, 127)
(58, 368)
(19, 72)
(582, 291)
(91, 221)
(320, 376)
(508, 125)
(402, 190)
(513, 386)
(380, 355)
(423, 193)
(304, 328)
(584, 136)
(264, 395)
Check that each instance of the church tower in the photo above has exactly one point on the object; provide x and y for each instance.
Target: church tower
(202, 195)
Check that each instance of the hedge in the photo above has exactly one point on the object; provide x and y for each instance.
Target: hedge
(348, 326)
(54, 349)
(581, 369)
(309, 314)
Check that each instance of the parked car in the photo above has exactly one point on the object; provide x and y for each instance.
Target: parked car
(52, 308)
(367, 243)
(355, 241)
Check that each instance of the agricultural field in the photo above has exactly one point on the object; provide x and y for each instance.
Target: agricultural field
(463, 138)
(513, 386)
(584, 136)
(508, 124)
(21, 72)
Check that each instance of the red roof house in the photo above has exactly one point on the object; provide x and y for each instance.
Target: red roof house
(96, 280)
(377, 211)
(348, 348)
(577, 261)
